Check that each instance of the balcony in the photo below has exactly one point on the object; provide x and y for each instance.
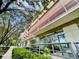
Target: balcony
(59, 10)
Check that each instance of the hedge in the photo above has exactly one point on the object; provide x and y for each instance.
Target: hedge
(22, 53)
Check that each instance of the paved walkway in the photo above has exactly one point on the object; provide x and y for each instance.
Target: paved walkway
(56, 57)
(8, 54)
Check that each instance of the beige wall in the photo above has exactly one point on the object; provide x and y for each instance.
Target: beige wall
(72, 33)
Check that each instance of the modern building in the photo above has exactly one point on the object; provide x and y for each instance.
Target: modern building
(57, 29)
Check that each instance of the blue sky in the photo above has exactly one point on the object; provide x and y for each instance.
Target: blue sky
(24, 3)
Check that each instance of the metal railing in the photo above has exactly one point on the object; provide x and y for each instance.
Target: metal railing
(62, 49)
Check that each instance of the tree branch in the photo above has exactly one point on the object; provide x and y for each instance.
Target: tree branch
(6, 32)
(6, 6)
(1, 3)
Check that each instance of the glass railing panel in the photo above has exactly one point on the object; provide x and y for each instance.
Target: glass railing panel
(77, 47)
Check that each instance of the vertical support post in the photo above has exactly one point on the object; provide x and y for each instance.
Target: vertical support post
(52, 45)
(28, 43)
(63, 6)
(37, 41)
(72, 35)
(60, 45)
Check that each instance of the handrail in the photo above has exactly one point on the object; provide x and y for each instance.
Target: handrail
(55, 43)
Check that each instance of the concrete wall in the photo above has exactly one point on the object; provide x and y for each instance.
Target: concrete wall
(72, 33)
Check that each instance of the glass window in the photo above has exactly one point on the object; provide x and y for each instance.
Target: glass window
(61, 38)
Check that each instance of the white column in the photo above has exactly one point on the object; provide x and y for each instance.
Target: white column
(28, 43)
(23, 44)
(37, 42)
(37, 39)
(72, 34)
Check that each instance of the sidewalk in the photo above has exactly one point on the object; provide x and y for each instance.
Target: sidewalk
(8, 54)
(56, 57)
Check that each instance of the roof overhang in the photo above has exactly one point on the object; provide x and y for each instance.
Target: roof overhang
(67, 18)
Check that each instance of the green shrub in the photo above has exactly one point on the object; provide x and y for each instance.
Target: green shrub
(22, 53)
(47, 50)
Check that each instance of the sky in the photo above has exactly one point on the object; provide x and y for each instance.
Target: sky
(25, 6)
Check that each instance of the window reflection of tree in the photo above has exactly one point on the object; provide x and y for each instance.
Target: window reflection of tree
(61, 38)
(55, 39)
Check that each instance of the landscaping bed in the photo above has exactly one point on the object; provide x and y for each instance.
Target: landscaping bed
(3, 50)
(22, 53)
